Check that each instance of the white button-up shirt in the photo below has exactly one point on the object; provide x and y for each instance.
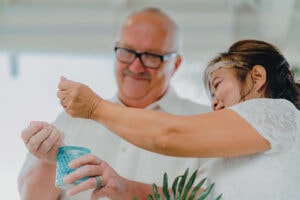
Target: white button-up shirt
(128, 160)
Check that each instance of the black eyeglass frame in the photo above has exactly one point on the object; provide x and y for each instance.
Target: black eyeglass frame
(139, 55)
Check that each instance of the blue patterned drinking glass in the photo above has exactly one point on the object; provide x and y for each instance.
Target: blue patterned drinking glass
(64, 156)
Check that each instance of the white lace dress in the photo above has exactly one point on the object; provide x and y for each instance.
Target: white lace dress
(273, 174)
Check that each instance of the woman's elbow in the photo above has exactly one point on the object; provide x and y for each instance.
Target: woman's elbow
(163, 143)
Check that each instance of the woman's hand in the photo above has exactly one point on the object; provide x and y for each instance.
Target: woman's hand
(77, 99)
(42, 140)
(113, 185)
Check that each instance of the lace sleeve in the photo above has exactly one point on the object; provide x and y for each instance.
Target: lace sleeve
(277, 120)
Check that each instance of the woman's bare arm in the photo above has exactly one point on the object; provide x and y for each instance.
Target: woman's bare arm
(216, 134)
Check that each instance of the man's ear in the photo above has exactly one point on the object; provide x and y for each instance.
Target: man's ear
(259, 75)
(177, 63)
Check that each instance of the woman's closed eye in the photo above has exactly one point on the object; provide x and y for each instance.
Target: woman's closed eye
(216, 84)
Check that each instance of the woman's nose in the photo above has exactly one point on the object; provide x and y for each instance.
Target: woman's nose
(214, 104)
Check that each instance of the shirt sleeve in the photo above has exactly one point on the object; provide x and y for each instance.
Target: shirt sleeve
(274, 119)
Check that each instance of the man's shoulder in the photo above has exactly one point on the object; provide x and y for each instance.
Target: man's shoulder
(175, 104)
(196, 107)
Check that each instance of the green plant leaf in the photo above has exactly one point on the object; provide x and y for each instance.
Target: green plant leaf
(196, 189)
(165, 188)
(182, 182)
(174, 188)
(179, 185)
(150, 197)
(204, 194)
(156, 193)
(189, 185)
(219, 197)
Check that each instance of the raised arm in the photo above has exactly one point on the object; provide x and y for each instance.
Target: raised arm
(37, 176)
(217, 134)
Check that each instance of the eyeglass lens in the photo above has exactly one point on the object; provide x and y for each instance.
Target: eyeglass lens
(147, 59)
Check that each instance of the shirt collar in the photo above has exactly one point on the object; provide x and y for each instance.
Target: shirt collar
(168, 103)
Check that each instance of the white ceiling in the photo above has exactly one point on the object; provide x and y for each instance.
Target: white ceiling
(89, 26)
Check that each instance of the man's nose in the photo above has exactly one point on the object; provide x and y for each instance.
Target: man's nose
(137, 65)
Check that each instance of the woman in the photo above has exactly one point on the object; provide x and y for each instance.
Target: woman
(253, 133)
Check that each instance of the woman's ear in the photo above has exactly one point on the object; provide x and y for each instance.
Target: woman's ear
(259, 75)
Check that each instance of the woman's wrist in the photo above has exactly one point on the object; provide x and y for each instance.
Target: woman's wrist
(96, 108)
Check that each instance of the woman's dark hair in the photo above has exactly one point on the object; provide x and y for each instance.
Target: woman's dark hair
(245, 54)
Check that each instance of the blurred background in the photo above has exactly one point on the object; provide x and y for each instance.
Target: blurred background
(41, 40)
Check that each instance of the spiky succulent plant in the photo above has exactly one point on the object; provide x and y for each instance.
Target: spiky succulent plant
(182, 189)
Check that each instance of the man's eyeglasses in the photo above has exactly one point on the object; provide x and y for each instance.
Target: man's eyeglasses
(149, 60)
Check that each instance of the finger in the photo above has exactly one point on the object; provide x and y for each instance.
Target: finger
(33, 128)
(83, 171)
(88, 184)
(52, 141)
(64, 83)
(63, 103)
(36, 140)
(61, 83)
(61, 95)
(88, 159)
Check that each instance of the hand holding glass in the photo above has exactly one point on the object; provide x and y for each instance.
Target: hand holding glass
(64, 156)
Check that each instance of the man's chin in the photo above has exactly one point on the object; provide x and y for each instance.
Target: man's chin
(135, 88)
(134, 94)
